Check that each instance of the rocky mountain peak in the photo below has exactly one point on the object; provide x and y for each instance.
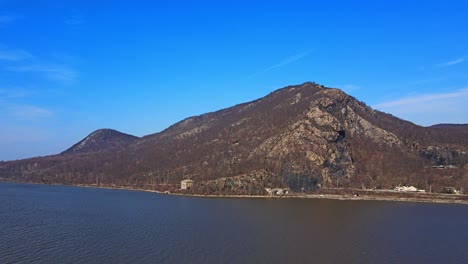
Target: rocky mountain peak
(101, 139)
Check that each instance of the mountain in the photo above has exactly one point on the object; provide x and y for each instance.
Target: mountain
(100, 140)
(303, 137)
(460, 126)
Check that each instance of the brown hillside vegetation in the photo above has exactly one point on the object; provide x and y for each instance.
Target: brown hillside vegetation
(303, 137)
(102, 139)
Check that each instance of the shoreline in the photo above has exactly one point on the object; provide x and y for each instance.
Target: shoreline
(451, 199)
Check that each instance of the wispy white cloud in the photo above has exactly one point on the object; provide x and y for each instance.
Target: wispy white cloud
(28, 111)
(74, 21)
(6, 19)
(12, 93)
(450, 63)
(428, 109)
(50, 71)
(75, 18)
(19, 60)
(12, 108)
(14, 54)
(287, 61)
(423, 99)
(425, 81)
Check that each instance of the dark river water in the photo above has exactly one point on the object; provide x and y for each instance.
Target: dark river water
(57, 224)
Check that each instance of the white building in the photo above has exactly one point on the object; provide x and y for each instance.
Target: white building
(186, 184)
(406, 189)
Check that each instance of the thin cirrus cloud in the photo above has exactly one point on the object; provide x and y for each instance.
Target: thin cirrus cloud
(13, 93)
(14, 55)
(423, 99)
(18, 60)
(18, 111)
(50, 71)
(28, 111)
(450, 63)
(6, 19)
(75, 18)
(74, 21)
(287, 61)
(428, 109)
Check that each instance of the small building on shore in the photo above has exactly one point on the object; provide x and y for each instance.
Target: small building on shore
(186, 184)
(451, 190)
(277, 191)
(444, 167)
(408, 189)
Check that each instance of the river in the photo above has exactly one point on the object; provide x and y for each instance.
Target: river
(63, 224)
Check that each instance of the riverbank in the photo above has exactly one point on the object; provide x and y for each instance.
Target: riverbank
(344, 197)
(368, 195)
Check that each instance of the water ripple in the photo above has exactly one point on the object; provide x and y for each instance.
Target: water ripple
(53, 224)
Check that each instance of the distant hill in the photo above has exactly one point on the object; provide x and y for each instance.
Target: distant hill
(457, 126)
(102, 139)
(303, 137)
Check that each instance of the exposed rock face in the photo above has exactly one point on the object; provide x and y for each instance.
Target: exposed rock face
(444, 156)
(302, 137)
(355, 124)
(313, 145)
(253, 183)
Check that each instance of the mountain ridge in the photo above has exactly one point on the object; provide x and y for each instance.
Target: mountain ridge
(303, 137)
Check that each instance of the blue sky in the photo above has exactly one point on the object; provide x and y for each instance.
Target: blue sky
(68, 68)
